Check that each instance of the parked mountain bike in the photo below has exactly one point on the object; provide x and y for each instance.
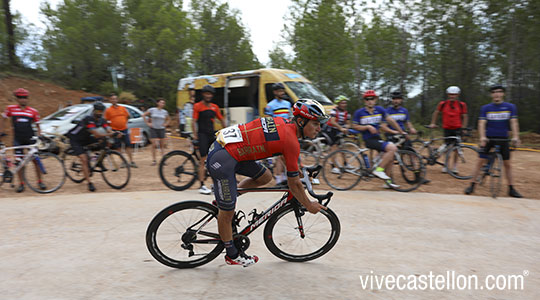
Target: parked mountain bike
(459, 159)
(492, 170)
(185, 234)
(48, 175)
(344, 169)
(112, 165)
(312, 152)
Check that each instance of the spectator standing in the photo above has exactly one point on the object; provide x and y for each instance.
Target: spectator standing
(157, 119)
(118, 117)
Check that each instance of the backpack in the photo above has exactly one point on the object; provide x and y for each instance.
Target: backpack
(460, 106)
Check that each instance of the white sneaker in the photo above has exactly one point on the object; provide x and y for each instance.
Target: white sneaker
(381, 175)
(444, 170)
(204, 190)
(390, 184)
(315, 181)
(336, 170)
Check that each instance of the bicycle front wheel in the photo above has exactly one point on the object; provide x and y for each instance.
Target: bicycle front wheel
(115, 169)
(44, 173)
(342, 170)
(408, 171)
(461, 161)
(293, 234)
(308, 159)
(495, 176)
(73, 166)
(185, 235)
(178, 170)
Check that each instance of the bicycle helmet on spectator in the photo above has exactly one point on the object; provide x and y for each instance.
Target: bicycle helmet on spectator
(453, 90)
(278, 86)
(20, 93)
(497, 87)
(99, 106)
(340, 98)
(397, 95)
(208, 88)
(369, 94)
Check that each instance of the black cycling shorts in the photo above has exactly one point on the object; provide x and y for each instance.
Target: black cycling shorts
(205, 140)
(451, 132)
(376, 144)
(157, 133)
(222, 168)
(504, 148)
(21, 142)
(78, 146)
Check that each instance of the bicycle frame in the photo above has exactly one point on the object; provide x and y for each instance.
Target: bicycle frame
(33, 149)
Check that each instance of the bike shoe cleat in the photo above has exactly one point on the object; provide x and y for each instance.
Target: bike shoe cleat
(514, 193)
(91, 187)
(42, 186)
(242, 260)
(20, 189)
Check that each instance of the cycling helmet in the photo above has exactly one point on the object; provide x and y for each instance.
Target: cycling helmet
(497, 87)
(369, 93)
(99, 106)
(310, 109)
(340, 98)
(278, 86)
(208, 88)
(397, 95)
(20, 92)
(453, 90)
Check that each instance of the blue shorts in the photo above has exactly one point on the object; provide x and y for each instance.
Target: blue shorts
(222, 168)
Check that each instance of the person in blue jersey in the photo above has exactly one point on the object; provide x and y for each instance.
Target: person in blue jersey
(370, 120)
(279, 107)
(496, 119)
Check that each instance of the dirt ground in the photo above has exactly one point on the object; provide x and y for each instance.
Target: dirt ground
(146, 178)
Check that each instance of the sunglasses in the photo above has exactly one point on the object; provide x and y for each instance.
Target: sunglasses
(369, 98)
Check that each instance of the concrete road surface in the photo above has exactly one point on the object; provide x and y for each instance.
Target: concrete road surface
(392, 246)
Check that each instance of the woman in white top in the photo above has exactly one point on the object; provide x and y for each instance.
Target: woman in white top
(157, 119)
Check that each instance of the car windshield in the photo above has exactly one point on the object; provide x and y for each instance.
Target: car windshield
(307, 90)
(66, 113)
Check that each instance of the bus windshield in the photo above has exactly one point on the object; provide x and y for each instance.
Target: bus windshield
(307, 90)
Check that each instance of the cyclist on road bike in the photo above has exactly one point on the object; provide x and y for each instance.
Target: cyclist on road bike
(279, 107)
(368, 120)
(204, 113)
(496, 119)
(22, 116)
(454, 117)
(237, 149)
(87, 132)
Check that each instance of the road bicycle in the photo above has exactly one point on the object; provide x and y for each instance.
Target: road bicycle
(112, 165)
(492, 170)
(459, 159)
(185, 234)
(343, 169)
(47, 176)
(313, 151)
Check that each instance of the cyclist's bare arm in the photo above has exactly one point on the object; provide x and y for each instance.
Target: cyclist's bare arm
(194, 128)
(297, 189)
(98, 134)
(514, 126)
(364, 128)
(335, 124)
(464, 120)
(482, 132)
(412, 130)
(394, 124)
(434, 117)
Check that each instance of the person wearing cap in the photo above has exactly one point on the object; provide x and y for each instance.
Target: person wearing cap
(157, 118)
(22, 116)
(496, 119)
(204, 113)
(454, 117)
(279, 107)
(370, 120)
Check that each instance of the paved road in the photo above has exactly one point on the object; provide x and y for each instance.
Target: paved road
(92, 246)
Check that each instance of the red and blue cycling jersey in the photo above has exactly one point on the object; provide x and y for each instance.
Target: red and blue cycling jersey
(498, 118)
(262, 138)
(375, 119)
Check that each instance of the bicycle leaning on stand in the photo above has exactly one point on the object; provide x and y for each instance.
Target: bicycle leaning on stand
(185, 234)
(343, 169)
(459, 159)
(47, 177)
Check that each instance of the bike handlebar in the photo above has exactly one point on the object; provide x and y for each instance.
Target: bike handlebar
(314, 172)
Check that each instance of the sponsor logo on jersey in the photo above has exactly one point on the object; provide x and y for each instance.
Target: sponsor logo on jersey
(371, 119)
(498, 115)
(269, 129)
(251, 150)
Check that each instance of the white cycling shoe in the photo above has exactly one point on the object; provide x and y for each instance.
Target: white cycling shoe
(389, 185)
(243, 260)
(335, 171)
(381, 175)
(204, 190)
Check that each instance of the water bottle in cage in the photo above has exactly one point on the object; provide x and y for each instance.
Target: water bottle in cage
(366, 160)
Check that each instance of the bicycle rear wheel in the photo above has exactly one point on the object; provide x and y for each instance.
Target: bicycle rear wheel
(465, 161)
(409, 173)
(293, 234)
(73, 167)
(421, 148)
(115, 169)
(495, 176)
(46, 167)
(185, 235)
(342, 170)
(178, 170)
